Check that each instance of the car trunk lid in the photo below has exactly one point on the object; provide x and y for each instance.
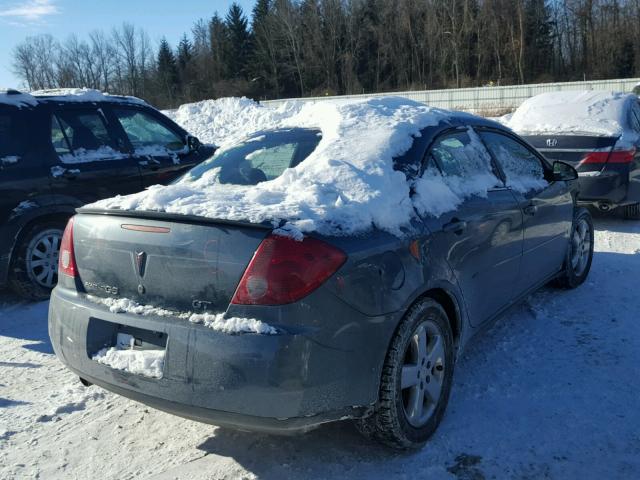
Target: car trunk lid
(169, 261)
(573, 149)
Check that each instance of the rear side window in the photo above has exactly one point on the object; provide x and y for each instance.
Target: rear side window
(523, 169)
(79, 136)
(11, 144)
(144, 131)
(461, 155)
(263, 157)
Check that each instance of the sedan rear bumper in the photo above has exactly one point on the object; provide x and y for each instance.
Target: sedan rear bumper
(282, 383)
(614, 185)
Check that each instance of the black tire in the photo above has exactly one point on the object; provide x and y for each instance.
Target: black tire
(631, 212)
(390, 423)
(574, 275)
(22, 279)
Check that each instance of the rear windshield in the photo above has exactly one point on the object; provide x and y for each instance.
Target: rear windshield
(261, 157)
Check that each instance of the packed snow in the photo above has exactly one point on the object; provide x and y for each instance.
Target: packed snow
(216, 321)
(58, 171)
(589, 112)
(551, 391)
(148, 363)
(82, 155)
(346, 186)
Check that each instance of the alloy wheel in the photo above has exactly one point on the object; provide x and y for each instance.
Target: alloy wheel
(42, 257)
(423, 373)
(580, 246)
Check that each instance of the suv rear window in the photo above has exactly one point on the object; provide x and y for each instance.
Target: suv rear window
(262, 157)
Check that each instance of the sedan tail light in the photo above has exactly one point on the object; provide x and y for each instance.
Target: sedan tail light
(67, 259)
(284, 270)
(616, 156)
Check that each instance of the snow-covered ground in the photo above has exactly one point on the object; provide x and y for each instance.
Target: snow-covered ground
(551, 391)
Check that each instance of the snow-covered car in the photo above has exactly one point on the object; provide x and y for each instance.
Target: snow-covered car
(595, 131)
(331, 267)
(60, 149)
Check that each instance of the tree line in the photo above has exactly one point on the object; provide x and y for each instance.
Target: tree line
(292, 48)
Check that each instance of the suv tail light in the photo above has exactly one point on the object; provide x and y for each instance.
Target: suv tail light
(67, 259)
(616, 156)
(284, 270)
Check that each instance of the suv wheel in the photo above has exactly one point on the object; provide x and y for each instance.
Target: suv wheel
(579, 251)
(416, 379)
(34, 265)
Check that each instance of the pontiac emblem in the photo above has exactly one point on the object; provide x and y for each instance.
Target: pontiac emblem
(552, 142)
(141, 263)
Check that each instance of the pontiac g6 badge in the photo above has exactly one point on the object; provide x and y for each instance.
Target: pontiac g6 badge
(141, 263)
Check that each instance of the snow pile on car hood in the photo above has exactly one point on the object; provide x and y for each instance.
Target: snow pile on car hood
(347, 185)
(225, 120)
(590, 112)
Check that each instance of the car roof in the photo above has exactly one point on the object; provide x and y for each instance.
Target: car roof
(19, 99)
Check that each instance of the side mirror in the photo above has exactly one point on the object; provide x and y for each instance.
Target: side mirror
(564, 172)
(193, 143)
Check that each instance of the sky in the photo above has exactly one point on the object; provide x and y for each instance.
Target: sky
(60, 18)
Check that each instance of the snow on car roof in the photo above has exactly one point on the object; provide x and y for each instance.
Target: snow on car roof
(347, 185)
(590, 112)
(19, 99)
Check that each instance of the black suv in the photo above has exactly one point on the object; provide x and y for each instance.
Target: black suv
(61, 150)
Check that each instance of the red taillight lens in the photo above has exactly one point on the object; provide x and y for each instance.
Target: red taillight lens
(617, 156)
(284, 270)
(67, 258)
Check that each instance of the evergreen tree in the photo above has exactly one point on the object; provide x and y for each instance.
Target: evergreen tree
(167, 71)
(219, 40)
(239, 42)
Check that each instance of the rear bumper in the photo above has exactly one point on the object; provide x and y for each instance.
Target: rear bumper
(614, 185)
(283, 383)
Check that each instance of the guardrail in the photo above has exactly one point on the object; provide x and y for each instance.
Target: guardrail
(486, 100)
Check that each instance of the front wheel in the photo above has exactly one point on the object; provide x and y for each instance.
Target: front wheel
(579, 251)
(416, 379)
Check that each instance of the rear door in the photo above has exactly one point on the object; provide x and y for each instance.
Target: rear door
(159, 149)
(23, 175)
(482, 237)
(90, 161)
(547, 207)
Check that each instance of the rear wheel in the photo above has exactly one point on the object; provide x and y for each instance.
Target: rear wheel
(34, 265)
(631, 212)
(579, 251)
(416, 379)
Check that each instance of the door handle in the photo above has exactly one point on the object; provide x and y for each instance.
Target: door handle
(456, 226)
(530, 209)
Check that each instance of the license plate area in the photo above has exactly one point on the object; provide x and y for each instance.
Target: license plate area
(130, 349)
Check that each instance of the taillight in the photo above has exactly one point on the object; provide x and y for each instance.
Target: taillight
(67, 258)
(617, 156)
(284, 270)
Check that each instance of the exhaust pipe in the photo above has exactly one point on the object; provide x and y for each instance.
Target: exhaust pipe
(84, 382)
(604, 207)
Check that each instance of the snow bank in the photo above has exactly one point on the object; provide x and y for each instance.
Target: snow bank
(572, 112)
(148, 363)
(226, 120)
(217, 321)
